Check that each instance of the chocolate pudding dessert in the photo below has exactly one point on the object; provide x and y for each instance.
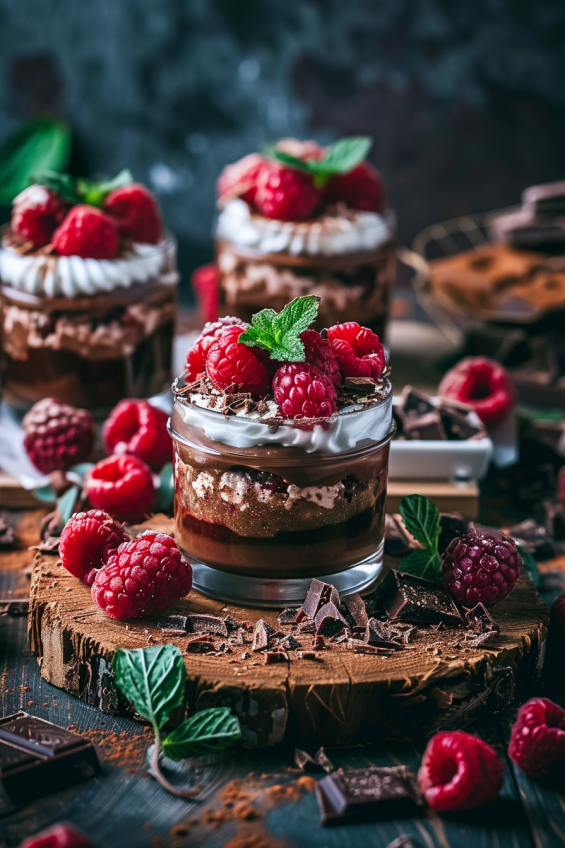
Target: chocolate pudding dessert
(281, 465)
(88, 288)
(306, 220)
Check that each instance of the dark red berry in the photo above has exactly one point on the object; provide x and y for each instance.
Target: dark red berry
(138, 428)
(537, 739)
(123, 486)
(302, 391)
(481, 569)
(57, 435)
(87, 541)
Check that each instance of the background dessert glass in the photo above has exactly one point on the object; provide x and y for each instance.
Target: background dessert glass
(261, 515)
(111, 338)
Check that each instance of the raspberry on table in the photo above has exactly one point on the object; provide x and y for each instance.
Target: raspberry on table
(285, 193)
(122, 486)
(87, 232)
(137, 428)
(229, 362)
(143, 576)
(303, 391)
(59, 835)
(459, 772)
(319, 353)
(57, 435)
(361, 188)
(537, 739)
(135, 212)
(240, 179)
(481, 569)
(36, 213)
(87, 541)
(484, 385)
(358, 350)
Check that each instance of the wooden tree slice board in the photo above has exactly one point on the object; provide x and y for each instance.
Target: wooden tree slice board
(342, 698)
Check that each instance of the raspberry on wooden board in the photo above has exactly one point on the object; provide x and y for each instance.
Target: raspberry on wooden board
(87, 541)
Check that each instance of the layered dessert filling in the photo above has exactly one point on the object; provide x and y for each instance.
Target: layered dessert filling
(306, 220)
(88, 293)
(290, 479)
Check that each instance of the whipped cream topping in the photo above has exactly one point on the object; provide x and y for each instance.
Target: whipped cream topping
(72, 276)
(350, 231)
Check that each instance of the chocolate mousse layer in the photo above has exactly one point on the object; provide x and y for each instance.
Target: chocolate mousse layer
(352, 286)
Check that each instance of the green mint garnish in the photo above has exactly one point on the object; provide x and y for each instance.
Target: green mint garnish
(62, 184)
(279, 333)
(153, 680)
(422, 519)
(340, 158)
(78, 190)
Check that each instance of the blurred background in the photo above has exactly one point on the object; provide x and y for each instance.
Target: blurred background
(465, 100)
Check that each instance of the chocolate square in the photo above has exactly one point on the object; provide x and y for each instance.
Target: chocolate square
(408, 598)
(415, 403)
(428, 427)
(458, 424)
(368, 793)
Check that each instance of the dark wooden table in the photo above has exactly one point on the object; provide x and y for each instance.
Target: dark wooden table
(251, 799)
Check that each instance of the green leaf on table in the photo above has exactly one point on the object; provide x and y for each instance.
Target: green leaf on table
(165, 491)
(422, 564)
(45, 493)
(530, 565)
(153, 679)
(421, 519)
(207, 732)
(279, 333)
(66, 503)
(95, 193)
(38, 144)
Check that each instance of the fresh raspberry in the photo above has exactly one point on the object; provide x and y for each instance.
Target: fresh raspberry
(196, 356)
(230, 362)
(215, 328)
(319, 352)
(204, 282)
(87, 541)
(136, 427)
(308, 151)
(36, 212)
(484, 385)
(459, 771)
(362, 188)
(358, 350)
(87, 232)
(58, 836)
(303, 391)
(537, 739)
(480, 569)
(57, 435)
(135, 213)
(143, 576)
(123, 486)
(240, 179)
(285, 193)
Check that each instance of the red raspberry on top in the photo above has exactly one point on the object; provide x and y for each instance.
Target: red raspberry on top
(459, 772)
(36, 212)
(196, 356)
(136, 427)
(481, 569)
(362, 188)
(122, 486)
(135, 212)
(319, 352)
(358, 350)
(484, 385)
(87, 541)
(285, 193)
(240, 179)
(303, 391)
(229, 362)
(60, 835)
(537, 739)
(87, 232)
(308, 151)
(57, 435)
(144, 576)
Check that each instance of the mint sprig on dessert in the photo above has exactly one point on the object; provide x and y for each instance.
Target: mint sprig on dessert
(279, 332)
(422, 520)
(79, 190)
(339, 158)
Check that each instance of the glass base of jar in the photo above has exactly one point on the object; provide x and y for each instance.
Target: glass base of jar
(268, 592)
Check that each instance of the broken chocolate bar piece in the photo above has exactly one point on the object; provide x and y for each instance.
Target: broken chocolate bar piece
(428, 427)
(415, 403)
(319, 762)
(287, 643)
(200, 623)
(173, 622)
(275, 657)
(318, 594)
(408, 598)
(38, 757)
(368, 793)
(261, 635)
(534, 538)
(378, 636)
(459, 425)
(329, 621)
(354, 608)
(288, 616)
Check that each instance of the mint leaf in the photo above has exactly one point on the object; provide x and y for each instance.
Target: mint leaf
(530, 565)
(422, 520)
(62, 184)
(45, 493)
(291, 161)
(422, 564)
(95, 193)
(38, 144)
(279, 333)
(343, 156)
(153, 679)
(66, 504)
(204, 733)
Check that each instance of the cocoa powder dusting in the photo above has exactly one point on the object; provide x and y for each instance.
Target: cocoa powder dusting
(121, 749)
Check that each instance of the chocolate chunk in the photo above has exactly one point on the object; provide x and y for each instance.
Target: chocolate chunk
(199, 623)
(545, 199)
(50, 545)
(231, 623)
(318, 594)
(261, 635)
(534, 538)
(318, 642)
(408, 598)
(287, 643)
(204, 644)
(496, 692)
(173, 622)
(415, 403)
(275, 657)
(319, 762)
(368, 793)
(459, 425)
(323, 760)
(377, 636)
(38, 757)
(451, 524)
(355, 609)
(427, 427)
(288, 616)
(307, 655)
(329, 621)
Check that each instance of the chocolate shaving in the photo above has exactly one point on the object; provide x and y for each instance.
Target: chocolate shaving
(481, 624)
(287, 643)
(329, 621)
(231, 623)
(202, 623)
(50, 545)
(261, 635)
(204, 644)
(379, 637)
(178, 623)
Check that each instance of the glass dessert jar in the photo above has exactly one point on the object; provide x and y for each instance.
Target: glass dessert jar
(261, 508)
(86, 331)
